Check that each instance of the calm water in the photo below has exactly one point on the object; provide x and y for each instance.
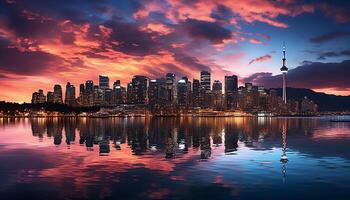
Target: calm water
(174, 158)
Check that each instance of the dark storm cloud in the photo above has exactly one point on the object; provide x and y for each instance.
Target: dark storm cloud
(314, 75)
(332, 54)
(222, 14)
(25, 23)
(25, 62)
(211, 31)
(78, 11)
(129, 39)
(329, 36)
(191, 62)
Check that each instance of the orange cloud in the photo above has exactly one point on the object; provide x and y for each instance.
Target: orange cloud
(158, 27)
(249, 11)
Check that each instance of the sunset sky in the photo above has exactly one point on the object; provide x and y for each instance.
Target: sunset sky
(43, 43)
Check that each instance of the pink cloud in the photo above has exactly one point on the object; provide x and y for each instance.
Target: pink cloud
(255, 41)
(261, 59)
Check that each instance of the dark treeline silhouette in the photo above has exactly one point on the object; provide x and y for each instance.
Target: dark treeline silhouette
(52, 107)
(325, 102)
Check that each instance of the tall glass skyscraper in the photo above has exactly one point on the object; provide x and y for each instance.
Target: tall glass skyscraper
(103, 82)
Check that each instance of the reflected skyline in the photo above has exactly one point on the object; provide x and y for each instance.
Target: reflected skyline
(155, 158)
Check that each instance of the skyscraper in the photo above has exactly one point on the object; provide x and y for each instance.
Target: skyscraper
(217, 95)
(171, 87)
(217, 86)
(139, 89)
(103, 82)
(183, 93)
(89, 85)
(38, 97)
(57, 94)
(153, 93)
(116, 84)
(70, 94)
(231, 94)
(205, 80)
(118, 95)
(129, 93)
(195, 93)
(205, 90)
(284, 71)
(81, 89)
(50, 97)
(231, 83)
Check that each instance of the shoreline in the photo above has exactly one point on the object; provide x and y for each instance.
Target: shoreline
(177, 116)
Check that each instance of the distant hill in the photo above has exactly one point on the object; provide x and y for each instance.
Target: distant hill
(325, 102)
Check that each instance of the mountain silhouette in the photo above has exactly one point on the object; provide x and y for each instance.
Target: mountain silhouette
(325, 102)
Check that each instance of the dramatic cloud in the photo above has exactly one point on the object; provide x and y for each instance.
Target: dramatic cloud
(340, 14)
(49, 42)
(329, 36)
(15, 61)
(261, 59)
(330, 54)
(207, 30)
(315, 75)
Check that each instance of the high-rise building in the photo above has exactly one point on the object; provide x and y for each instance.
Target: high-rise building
(196, 93)
(183, 92)
(139, 89)
(38, 97)
(231, 95)
(57, 94)
(217, 95)
(50, 97)
(308, 107)
(129, 94)
(153, 93)
(70, 94)
(107, 97)
(119, 95)
(231, 83)
(284, 71)
(171, 88)
(217, 86)
(116, 84)
(205, 80)
(205, 90)
(103, 82)
(81, 89)
(162, 92)
(98, 96)
(89, 85)
(248, 86)
(86, 94)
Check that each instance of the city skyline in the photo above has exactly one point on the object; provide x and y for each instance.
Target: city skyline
(171, 96)
(42, 44)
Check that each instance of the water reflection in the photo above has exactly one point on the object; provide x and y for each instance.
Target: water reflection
(183, 158)
(284, 158)
(174, 136)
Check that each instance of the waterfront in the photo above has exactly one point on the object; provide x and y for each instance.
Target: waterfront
(175, 158)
